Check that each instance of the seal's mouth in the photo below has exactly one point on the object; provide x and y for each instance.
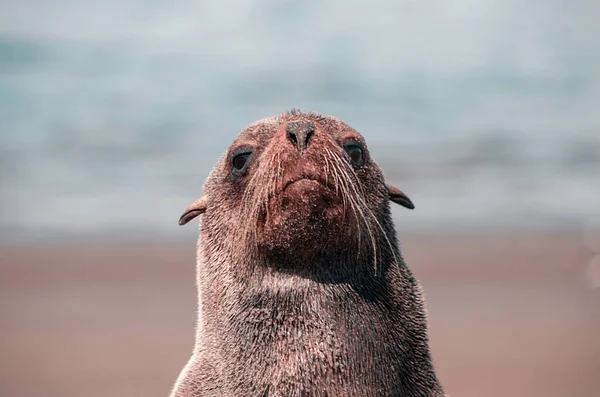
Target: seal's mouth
(306, 180)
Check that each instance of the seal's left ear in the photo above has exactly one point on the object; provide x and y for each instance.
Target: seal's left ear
(196, 208)
(398, 197)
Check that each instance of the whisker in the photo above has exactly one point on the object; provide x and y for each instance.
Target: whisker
(336, 179)
(347, 182)
(374, 217)
(256, 198)
(340, 183)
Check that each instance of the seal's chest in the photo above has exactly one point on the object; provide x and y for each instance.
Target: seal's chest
(302, 356)
(317, 344)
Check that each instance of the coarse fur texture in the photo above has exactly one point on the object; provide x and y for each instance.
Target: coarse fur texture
(302, 289)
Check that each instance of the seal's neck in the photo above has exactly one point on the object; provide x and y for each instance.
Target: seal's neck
(299, 333)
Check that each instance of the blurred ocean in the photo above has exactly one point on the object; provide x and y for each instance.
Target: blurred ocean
(112, 113)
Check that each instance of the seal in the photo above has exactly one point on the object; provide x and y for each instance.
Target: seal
(302, 288)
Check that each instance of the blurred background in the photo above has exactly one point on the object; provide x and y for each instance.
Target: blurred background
(112, 114)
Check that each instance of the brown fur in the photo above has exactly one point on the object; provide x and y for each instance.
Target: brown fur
(302, 288)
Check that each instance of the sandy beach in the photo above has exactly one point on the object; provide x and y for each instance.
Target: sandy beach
(509, 316)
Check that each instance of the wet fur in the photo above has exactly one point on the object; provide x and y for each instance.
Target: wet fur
(301, 304)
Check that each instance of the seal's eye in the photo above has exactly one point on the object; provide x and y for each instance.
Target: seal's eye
(240, 161)
(356, 154)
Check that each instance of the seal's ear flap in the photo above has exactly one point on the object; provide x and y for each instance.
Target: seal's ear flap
(196, 208)
(398, 197)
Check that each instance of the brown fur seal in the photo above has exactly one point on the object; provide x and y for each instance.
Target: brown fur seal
(301, 285)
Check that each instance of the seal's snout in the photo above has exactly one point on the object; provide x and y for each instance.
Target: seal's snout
(299, 133)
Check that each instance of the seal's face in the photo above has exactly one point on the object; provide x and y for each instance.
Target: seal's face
(298, 186)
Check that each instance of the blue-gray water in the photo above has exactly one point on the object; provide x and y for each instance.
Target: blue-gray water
(112, 113)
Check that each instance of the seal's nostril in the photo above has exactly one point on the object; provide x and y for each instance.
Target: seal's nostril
(309, 136)
(292, 137)
(300, 132)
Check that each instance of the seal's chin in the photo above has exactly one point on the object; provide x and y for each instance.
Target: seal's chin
(306, 215)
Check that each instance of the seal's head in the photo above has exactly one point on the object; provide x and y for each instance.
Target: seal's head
(297, 187)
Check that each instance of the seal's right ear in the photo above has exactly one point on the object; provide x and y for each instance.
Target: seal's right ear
(196, 208)
(398, 197)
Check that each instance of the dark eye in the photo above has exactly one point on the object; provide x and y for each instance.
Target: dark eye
(356, 154)
(240, 161)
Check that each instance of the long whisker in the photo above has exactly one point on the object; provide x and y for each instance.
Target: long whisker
(389, 243)
(336, 179)
(340, 184)
(256, 198)
(359, 207)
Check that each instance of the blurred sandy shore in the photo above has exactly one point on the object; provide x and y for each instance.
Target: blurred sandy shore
(509, 316)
